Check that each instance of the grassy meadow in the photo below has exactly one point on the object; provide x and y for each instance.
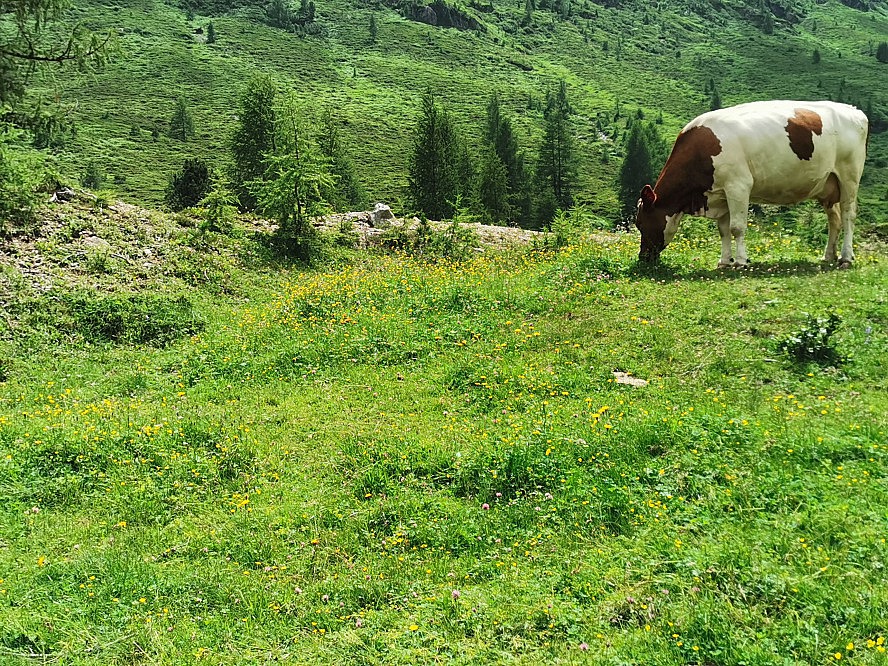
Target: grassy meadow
(393, 460)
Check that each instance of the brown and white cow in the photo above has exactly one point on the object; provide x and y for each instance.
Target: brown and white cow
(776, 152)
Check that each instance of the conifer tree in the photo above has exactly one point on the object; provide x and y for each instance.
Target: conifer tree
(499, 135)
(374, 29)
(253, 138)
(189, 185)
(347, 192)
(882, 52)
(296, 178)
(493, 187)
(211, 33)
(645, 154)
(218, 207)
(557, 163)
(30, 38)
(434, 179)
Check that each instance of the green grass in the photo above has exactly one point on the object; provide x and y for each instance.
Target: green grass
(385, 460)
(664, 64)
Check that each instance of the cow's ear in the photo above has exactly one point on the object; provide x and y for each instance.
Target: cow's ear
(648, 197)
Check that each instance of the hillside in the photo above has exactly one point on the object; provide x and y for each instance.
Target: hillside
(617, 58)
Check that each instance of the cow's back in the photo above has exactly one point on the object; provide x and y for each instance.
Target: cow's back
(784, 151)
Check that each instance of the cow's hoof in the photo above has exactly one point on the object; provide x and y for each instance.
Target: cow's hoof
(844, 264)
(729, 264)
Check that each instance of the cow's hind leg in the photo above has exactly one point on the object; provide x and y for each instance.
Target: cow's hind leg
(834, 215)
(849, 212)
(847, 182)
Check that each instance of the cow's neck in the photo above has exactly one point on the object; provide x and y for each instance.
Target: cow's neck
(689, 172)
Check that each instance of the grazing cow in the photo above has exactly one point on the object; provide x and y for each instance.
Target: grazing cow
(765, 152)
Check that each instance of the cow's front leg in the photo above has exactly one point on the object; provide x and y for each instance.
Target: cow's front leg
(724, 230)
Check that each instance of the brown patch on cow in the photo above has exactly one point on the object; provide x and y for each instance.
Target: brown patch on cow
(801, 129)
(689, 172)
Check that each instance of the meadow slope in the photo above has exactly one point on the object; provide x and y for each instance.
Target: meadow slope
(223, 459)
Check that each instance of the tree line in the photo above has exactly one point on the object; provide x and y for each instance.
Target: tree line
(285, 165)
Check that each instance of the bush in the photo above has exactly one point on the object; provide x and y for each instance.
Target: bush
(135, 319)
(813, 342)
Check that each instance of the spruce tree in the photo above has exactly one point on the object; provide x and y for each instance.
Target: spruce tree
(189, 185)
(374, 28)
(211, 33)
(253, 138)
(882, 52)
(493, 187)
(181, 124)
(499, 135)
(645, 154)
(557, 162)
(433, 180)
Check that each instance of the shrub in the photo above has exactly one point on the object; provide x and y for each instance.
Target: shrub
(136, 319)
(813, 342)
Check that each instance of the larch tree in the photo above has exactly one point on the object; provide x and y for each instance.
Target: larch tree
(181, 124)
(253, 139)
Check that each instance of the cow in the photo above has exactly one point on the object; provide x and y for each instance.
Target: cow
(777, 152)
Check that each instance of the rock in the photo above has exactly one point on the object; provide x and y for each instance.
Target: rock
(625, 378)
(381, 215)
(96, 243)
(63, 195)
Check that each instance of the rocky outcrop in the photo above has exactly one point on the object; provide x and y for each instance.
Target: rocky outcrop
(439, 13)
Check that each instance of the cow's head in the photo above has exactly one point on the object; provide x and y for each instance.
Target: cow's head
(651, 222)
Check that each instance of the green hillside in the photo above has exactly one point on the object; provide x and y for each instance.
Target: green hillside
(631, 56)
